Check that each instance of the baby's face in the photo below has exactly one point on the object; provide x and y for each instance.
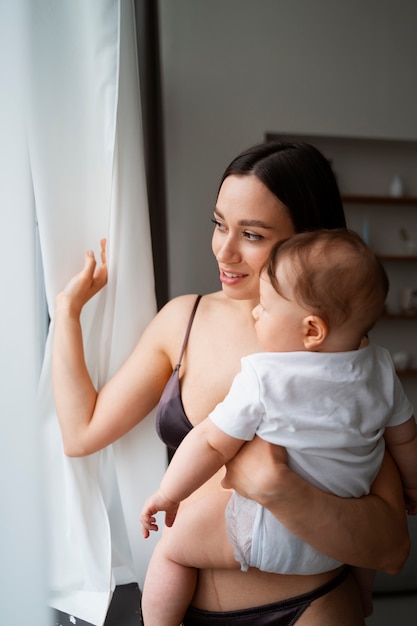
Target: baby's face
(278, 317)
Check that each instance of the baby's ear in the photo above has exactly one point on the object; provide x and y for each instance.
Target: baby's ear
(315, 331)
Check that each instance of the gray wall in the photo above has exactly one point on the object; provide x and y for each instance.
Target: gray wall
(235, 69)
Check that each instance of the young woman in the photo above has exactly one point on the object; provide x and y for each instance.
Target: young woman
(267, 193)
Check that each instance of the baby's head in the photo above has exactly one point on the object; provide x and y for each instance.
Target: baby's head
(333, 275)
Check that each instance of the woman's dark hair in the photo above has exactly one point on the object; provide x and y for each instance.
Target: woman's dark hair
(300, 176)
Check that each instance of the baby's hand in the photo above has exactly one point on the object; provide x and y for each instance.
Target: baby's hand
(410, 496)
(155, 503)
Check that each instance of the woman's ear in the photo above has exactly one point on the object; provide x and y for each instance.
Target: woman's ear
(315, 332)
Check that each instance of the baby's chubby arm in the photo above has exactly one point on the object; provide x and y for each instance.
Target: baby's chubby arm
(201, 454)
(402, 444)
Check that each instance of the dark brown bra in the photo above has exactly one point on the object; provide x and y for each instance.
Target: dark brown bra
(172, 424)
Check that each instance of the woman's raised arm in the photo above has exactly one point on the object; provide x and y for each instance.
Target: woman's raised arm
(91, 419)
(74, 392)
(367, 532)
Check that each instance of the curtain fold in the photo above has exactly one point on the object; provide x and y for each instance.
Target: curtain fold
(86, 155)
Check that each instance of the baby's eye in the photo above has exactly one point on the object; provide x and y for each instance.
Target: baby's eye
(252, 236)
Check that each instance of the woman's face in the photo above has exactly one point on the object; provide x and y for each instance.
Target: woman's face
(249, 220)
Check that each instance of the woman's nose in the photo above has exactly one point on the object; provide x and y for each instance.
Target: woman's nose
(228, 252)
(255, 313)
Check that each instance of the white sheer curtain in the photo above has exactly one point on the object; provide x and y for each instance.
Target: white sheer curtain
(22, 520)
(86, 157)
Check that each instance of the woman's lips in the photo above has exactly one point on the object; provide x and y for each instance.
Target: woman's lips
(231, 278)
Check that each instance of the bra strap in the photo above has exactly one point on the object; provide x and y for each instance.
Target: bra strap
(187, 332)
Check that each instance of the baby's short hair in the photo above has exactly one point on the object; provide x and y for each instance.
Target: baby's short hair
(337, 276)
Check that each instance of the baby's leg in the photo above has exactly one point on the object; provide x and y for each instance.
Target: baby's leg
(365, 581)
(167, 591)
(197, 540)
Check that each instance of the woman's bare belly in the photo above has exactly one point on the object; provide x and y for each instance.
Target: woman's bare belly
(228, 590)
(221, 590)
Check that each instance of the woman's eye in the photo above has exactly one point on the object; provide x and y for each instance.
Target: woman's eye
(252, 236)
(246, 234)
(217, 224)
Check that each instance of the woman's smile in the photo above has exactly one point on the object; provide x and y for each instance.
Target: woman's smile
(231, 278)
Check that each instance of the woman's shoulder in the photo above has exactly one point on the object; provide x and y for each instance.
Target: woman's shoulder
(178, 307)
(166, 331)
(174, 315)
(213, 312)
(182, 305)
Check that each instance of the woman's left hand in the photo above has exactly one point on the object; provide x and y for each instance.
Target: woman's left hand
(256, 470)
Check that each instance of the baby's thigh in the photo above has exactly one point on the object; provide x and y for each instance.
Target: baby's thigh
(340, 606)
(198, 536)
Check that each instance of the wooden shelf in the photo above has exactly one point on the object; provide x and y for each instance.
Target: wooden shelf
(409, 373)
(399, 316)
(368, 199)
(397, 257)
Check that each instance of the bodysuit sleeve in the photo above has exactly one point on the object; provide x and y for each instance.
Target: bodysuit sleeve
(241, 412)
(402, 409)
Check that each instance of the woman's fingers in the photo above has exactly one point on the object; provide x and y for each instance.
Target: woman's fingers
(247, 475)
(89, 281)
(103, 243)
(92, 276)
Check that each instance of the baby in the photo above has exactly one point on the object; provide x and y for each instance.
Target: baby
(318, 391)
